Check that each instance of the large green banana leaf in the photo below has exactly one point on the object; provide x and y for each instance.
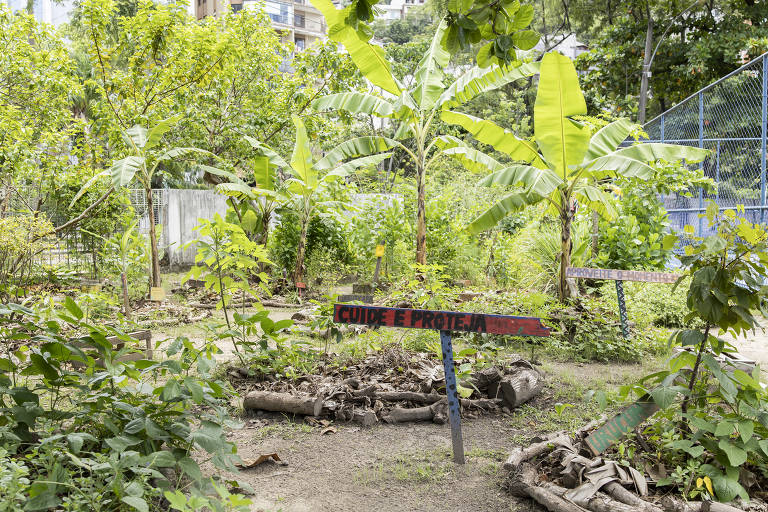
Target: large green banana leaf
(472, 159)
(618, 165)
(174, 153)
(235, 190)
(541, 182)
(429, 72)
(135, 136)
(123, 170)
(265, 150)
(494, 135)
(511, 203)
(479, 80)
(355, 103)
(301, 160)
(562, 141)
(366, 161)
(156, 133)
(654, 151)
(263, 174)
(353, 148)
(368, 57)
(607, 139)
(596, 199)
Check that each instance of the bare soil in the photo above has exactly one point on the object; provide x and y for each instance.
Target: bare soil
(383, 468)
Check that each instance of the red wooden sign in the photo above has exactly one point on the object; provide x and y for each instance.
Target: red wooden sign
(439, 320)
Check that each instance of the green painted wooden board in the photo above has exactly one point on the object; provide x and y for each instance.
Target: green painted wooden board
(624, 422)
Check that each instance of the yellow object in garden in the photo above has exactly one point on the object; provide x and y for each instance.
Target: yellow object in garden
(157, 294)
(379, 251)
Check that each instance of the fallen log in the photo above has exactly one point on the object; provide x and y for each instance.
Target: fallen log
(520, 454)
(524, 486)
(520, 387)
(402, 414)
(616, 491)
(672, 504)
(365, 418)
(408, 396)
(599, 502)
(283, 402)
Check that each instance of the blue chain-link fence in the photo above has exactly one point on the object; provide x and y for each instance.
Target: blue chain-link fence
(730, 118)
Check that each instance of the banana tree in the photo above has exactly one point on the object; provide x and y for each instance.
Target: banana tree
(306, 187)
(142, 164)
(414, 111)
(565, 164)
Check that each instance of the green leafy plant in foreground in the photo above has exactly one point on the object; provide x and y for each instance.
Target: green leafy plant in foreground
(718, 413)
(98, 433)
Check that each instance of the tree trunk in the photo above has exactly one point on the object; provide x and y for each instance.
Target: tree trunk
(298, 273)
(643, 100)
(421, 218)
(126, 303)
(283, 402)
(155, 259)
(595, 234)
(566, 217)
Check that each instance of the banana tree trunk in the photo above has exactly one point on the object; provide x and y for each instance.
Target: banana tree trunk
(153, 241)
(421, 218)
(298, 274)
(566, 218)
(595, 234)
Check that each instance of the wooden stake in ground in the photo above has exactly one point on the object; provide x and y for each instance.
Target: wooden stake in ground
(283, 402)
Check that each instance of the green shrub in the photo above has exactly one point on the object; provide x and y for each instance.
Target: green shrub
(325, 233)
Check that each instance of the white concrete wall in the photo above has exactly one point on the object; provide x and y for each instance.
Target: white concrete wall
(181, 216)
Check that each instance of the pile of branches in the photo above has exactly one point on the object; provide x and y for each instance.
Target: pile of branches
(556, 473)
(394, 385)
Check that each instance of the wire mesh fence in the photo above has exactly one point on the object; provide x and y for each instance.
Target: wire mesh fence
(730, 118)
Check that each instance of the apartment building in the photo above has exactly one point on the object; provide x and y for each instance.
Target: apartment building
(295, 20)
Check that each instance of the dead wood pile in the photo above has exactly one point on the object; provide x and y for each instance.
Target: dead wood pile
(554, 472)
(395, 385)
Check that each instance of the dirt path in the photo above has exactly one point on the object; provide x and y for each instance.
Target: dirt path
(382, 468)
(754, 345)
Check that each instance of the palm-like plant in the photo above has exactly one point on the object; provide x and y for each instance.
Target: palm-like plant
(566, 164)
(306, 186)
(145, 159)
(414, 111)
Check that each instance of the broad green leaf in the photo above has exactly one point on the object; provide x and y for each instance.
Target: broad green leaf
(232, 177)
(136, 136)
(136, 503)
(728, 488)
(541, 182)
(301, 160)
(746, 429)
(619, 165)
(353, 148)
(511, 203)
(473, 159)
(123, 170)
(175, 153)
(369, 58)
(595, 199)
(665, 396)
(263, 173)
(479, 80)
(366, 161)
(71, 306)
(235, 190)
(607, 139)
(156, 133)
(494, 135)
(724, 428)
(429, 72)
(736, 456)
(265, 150)
(525, 39)
(654, 151)
(355, 103)
(562, 141)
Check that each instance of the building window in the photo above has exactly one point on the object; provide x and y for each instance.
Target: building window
(300, 43)
(298, 20)
(237, 7)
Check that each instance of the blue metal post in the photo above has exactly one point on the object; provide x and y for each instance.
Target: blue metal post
(701, 165)
(662, 127)
(452, 392)
(763, 128)
(717, 173)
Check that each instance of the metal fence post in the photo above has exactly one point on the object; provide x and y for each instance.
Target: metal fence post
(701, 165)
(717, 173)
(763, 128)
(662, 127)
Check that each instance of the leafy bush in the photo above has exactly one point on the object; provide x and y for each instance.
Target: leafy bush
(96, 436)
(382, 220)
(652, 304)
(715, 415)
(326, 232)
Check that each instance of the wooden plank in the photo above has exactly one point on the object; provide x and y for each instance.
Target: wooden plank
(367, 299)
(439, 320)
(621, 275)
(618, 426)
